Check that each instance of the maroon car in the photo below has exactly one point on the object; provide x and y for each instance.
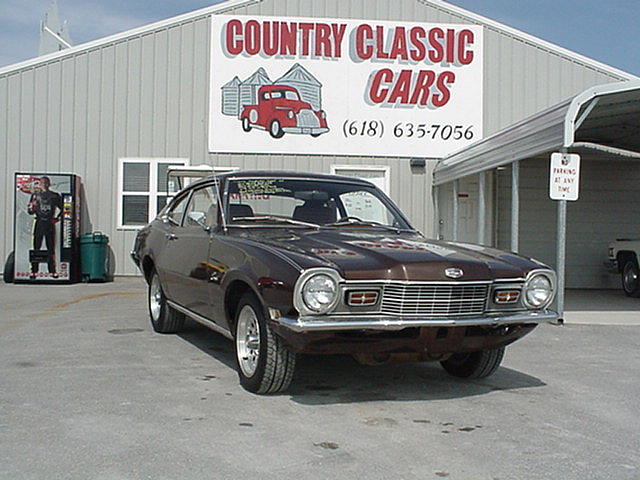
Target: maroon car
(280, 110)
(289, 263)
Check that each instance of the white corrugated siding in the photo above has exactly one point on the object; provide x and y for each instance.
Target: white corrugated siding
(608, 209)
(147, 96)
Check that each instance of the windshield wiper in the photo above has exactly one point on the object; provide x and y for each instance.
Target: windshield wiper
(364, 223)
(273, 218)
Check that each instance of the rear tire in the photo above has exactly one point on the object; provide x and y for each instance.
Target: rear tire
(631, 278)
(9, 269)
(474, 365)
(164, 319)
(264, 364)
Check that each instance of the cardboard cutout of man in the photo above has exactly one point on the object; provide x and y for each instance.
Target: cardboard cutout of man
(43, 205)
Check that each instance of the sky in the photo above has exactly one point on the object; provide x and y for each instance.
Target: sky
(606, 31)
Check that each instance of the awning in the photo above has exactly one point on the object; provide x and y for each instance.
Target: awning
(602, 120)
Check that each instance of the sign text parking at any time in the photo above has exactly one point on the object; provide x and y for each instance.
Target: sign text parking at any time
(564, 176)
(350, 87)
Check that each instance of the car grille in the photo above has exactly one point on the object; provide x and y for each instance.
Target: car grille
(308, 119)
(434, 300)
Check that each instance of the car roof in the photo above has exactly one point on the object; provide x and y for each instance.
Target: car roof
(283, 174)
(278, 87)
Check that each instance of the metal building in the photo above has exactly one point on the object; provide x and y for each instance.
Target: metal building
(308, 85)
(231, 97)
(249, 88)
(134, 103)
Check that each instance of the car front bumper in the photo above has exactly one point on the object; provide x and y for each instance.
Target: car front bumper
(387, 322)
(305, 130)
(611, 264)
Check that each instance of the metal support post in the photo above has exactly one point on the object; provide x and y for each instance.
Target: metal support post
(455, 210)
(561, 255)
(515, 206)
(436, 212)
(482, 207)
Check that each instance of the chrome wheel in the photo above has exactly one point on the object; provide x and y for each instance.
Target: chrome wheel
(155, 298)
(248, 341)
(630, 277)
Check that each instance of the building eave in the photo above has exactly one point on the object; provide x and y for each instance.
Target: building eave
(550, 130)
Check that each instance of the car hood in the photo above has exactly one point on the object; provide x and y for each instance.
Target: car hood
(360, 254)
(295, 105)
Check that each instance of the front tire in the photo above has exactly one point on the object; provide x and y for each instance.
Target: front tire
(246, 125)
(631, 278)
(264, 363)
(164, 319)
(9, 269)
(275, 129)
(474, 365)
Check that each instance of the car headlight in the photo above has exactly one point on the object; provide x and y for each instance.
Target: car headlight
(323, 114)
(539, 290)
(290, 114)
(317, 291)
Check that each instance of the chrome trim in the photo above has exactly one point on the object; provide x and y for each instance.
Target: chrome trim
(507, 280)
(384, 282)
(314, 130)
(454, 273)
(201, 320)
(298, 301)
(552, 278)
(306, 118)
(378, 322)
(446, 300)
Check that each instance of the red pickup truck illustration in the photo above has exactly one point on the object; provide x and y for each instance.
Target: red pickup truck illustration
(280, 110)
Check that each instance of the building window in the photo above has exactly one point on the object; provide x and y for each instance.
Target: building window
(142, 189)
(376, 174)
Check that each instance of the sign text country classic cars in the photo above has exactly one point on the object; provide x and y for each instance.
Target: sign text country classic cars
(344, 87)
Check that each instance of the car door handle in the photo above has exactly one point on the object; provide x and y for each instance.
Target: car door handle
(170, 236)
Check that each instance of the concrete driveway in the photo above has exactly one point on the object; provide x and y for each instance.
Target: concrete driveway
(88, 391)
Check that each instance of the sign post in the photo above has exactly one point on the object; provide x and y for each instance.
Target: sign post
(564, 185)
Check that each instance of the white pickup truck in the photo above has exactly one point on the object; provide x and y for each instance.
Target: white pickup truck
(623, 259)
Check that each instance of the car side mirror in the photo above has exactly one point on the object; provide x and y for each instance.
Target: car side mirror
(199, 218)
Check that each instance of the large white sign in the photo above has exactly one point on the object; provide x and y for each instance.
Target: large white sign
(564, 176)
(344, 87)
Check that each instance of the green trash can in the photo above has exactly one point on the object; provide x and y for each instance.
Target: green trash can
(94, 258)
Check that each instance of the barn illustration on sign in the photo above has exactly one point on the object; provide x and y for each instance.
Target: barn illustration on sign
(291, 104)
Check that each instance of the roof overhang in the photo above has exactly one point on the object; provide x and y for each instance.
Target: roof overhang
(601, 122)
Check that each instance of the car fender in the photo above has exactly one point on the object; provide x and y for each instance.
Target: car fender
(270, 274)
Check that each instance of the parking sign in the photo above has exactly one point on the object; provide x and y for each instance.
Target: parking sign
(564, 176)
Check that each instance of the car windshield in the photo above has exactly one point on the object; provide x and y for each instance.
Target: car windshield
(310, 203)
(291, 95)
